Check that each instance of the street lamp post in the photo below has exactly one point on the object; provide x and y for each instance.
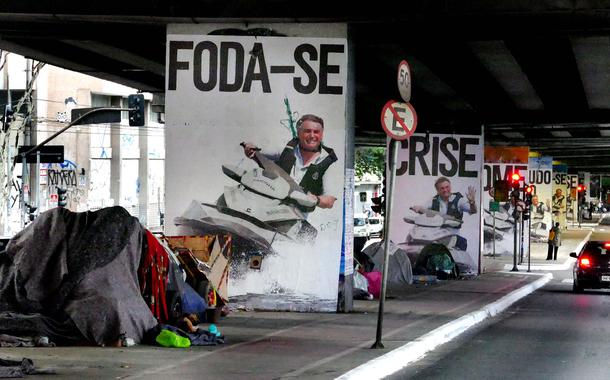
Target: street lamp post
(85, 116)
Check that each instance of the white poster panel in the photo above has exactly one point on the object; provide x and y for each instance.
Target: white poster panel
(255, 136)
(437, 198)
(559, 200)
(572, 201)
(541, 175)
(501, 227)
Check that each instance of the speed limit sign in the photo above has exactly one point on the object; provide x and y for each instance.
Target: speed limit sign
(404, 81)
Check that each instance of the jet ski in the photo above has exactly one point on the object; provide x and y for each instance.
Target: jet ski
(264, 206)
(503, 221)
(433, 227)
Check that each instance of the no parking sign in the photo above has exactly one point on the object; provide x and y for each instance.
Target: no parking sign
(398, 120)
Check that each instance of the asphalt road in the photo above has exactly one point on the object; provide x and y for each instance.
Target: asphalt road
(551, 334)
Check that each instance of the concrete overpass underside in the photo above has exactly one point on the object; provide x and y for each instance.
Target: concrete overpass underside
(533, 73)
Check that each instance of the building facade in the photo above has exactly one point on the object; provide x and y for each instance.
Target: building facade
(104, 164)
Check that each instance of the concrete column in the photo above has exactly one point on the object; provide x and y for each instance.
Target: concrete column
(115, 161)
(143, 172)
(350, 128)
(82, 151)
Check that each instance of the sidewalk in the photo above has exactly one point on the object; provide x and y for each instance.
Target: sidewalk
(279, 345)
(570, 240)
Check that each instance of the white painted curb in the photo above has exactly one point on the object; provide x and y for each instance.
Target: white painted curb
(401, 357)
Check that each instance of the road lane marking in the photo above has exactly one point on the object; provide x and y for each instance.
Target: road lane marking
(409, 353)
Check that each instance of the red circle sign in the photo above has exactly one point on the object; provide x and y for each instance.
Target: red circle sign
(53, 197)
(398, 120)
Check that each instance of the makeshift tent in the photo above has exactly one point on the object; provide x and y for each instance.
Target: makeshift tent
(73, 277)
(399, 269)
(435, 259)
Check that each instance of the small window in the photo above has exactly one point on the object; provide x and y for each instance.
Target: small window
(363, 196)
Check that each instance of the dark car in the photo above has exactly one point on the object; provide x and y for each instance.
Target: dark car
(592, 267)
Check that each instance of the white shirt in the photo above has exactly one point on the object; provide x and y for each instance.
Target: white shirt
(299, 169)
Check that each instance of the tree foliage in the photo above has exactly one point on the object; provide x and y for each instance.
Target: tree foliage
(370, 160)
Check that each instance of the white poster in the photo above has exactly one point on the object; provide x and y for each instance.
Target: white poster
(255, 131)
(501, 227)
(559, 199)
(572, 201)
(437, 198)
(540, 175)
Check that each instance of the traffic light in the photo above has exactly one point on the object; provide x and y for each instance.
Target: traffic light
(136, 110)
(515, 179)
(31, 212)
(581, 188)
(530, 190)
(62, 197)
(379, 201)
(378, 205)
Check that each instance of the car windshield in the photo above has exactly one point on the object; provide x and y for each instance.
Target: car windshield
(359, 222)
(374, 221)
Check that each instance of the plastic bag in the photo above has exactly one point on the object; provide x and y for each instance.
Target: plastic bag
(360, 282)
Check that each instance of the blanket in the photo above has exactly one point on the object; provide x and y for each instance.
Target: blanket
(73, 277)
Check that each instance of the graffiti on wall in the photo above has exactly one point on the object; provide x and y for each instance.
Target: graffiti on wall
(62, 175)
(67, 178)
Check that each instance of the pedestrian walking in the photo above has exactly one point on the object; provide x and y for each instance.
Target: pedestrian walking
(556, 240)
(549, 254)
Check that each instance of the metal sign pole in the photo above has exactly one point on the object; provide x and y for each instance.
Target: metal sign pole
(386, 238)
(529, 243)
(578, 208)
(493, 239)
(38, 180)
(522, 233)
(515, 239)
(573, 221)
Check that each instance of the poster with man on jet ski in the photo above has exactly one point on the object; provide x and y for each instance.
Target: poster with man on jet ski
(561, 189)
(259, 154)
(541, 176)
(499, 226)
(437, 196)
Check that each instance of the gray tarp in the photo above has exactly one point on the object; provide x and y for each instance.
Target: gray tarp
(400, 272)
(73, 276)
